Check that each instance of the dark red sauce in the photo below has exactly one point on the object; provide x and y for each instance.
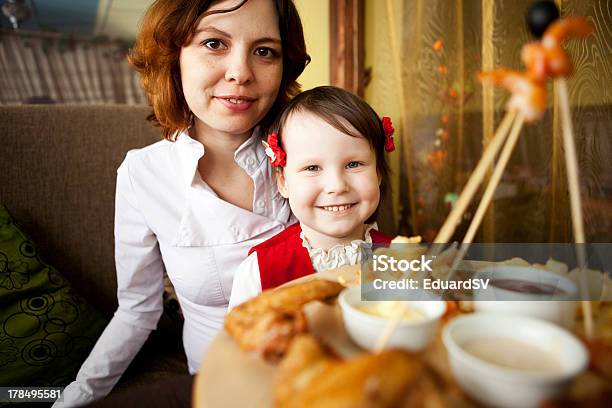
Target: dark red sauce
(523, 286)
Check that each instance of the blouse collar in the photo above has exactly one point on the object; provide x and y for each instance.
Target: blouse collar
(338, 255)
(249, 155)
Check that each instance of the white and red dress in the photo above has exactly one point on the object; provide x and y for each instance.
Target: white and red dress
(288, 256)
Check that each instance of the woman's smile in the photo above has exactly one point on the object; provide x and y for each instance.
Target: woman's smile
(236, 103)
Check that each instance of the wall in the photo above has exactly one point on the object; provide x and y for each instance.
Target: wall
(120, 18)
(382, 92)
(315, 20)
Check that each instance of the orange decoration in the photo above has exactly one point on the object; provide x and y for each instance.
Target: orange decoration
(436, 158)
(442, 69)
(444, 119)
(438, 45)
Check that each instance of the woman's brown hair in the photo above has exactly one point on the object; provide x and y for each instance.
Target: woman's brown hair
(170, 24)
(347, 113)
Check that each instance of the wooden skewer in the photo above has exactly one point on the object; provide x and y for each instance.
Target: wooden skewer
(386, 334)
(454, 218)
(487, 196)
(571, 162)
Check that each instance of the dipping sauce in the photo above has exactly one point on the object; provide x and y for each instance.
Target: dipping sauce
(523, 286)
(512, 353)
(388, 309)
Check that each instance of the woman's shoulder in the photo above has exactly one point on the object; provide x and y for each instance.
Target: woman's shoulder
(154, 149)
(156, 161)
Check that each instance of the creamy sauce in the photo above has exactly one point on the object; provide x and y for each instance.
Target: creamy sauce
(388, 309)
(514, 354)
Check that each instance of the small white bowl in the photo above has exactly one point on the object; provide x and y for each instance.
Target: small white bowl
(557, 308)
(501, 386)
(365, 328)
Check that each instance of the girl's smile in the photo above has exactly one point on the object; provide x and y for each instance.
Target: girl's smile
(343, 208)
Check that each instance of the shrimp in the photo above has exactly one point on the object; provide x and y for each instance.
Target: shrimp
(547, 58)
(528, 95)
(564, 28)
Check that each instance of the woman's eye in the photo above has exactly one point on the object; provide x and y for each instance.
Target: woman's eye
(212, 44)
(265, 52)
(353, 165)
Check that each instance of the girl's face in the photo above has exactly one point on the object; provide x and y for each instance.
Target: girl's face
(231, 70)
(330, 179)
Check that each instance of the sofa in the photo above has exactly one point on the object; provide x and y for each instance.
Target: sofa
(57, 176)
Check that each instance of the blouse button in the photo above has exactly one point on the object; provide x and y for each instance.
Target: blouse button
(250, 163)
(261, 203)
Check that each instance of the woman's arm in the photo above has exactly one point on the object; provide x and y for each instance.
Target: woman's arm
(139, 291)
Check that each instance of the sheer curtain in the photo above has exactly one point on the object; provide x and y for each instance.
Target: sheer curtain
(52, 68)
(424, 56)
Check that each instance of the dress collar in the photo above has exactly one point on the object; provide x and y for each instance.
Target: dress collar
(339, 255)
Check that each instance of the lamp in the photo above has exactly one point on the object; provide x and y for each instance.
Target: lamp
(16, 11)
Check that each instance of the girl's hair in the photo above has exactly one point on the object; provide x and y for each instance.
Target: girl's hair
(337, 106)
(170, 24)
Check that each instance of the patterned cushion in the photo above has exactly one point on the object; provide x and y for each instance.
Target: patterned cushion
(46, 329)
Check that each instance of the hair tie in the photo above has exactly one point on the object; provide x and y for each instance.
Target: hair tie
(388, 130)
(274, 152)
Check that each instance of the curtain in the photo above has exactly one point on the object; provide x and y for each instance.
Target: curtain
(50, 68)
(424, 56)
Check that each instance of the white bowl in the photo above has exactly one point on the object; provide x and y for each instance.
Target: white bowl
(365, 328)
(496, 385)
(557, 308)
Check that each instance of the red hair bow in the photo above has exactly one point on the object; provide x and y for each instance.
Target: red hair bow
(389, 130)
(274, 151)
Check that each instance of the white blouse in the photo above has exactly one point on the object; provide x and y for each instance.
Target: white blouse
(247, 281)
(167, 218)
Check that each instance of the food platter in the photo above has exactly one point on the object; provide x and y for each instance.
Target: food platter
(231, 377)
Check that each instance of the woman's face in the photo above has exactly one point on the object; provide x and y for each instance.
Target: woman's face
(231, 70)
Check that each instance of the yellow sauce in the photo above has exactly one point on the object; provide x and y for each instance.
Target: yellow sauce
(516, 354)
(388, 309)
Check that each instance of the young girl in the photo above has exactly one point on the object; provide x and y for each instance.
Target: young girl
(329, 150)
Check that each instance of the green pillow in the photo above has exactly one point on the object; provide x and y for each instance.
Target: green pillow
(46, 330)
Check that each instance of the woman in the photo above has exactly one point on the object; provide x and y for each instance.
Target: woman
(194, 203)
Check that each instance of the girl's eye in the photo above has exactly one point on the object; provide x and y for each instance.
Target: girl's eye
(313, 167)
(353, 165)
(213, 44)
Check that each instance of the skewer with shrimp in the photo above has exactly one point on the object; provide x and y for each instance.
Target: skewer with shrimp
(528, 102)
(547, 58)
(543, 59)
